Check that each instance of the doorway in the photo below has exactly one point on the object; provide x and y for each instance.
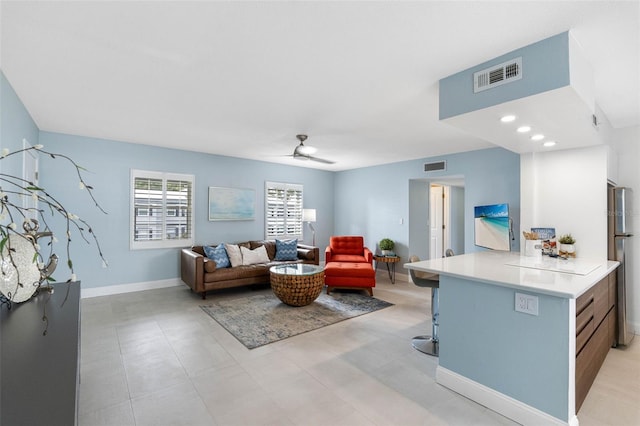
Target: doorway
(30, 174)
(435, 226)
(437, 220)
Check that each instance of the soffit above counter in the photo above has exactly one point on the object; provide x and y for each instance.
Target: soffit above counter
(552, 93)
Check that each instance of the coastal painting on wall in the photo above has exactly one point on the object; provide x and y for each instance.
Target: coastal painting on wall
(492, 227)
(231, 203)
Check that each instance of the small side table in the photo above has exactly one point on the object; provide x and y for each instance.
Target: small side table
(388, 260)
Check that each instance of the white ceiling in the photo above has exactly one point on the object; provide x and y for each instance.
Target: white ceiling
(243, 78)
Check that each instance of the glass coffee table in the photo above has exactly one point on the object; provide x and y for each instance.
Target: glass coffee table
(297, 284)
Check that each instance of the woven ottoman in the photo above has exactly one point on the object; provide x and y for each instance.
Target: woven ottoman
(349, 275)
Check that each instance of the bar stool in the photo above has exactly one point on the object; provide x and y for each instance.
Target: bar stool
(428, 344)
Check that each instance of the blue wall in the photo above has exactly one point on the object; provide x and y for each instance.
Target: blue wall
(523, 356)
(545, 66)
(110, 162)
(15, 124)
(457, 227)
(371, 201)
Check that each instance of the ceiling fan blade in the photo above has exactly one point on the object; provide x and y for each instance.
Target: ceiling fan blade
(303, 152)
(319, 160)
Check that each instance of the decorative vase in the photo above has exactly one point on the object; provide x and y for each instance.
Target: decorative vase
(567, 250)
(20, 274)
(386, 252)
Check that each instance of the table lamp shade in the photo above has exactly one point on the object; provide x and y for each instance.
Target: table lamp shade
(308, 215)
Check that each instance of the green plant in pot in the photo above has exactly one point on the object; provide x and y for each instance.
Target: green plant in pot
(567, 245)
(386, 246)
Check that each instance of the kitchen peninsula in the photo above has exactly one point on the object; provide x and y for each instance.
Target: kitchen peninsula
(523, 336)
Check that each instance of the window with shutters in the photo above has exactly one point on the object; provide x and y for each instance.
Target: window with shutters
(161, 210)
(283, 207)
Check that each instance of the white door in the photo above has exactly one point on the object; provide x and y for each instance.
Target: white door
(436, 220)
(30, 174)
(446, 218)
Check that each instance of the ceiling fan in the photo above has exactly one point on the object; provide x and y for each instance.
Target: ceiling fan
(304, 152)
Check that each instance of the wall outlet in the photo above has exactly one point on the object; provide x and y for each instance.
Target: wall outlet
(527, 304)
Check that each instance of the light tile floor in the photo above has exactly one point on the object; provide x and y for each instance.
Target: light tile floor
(154, 358)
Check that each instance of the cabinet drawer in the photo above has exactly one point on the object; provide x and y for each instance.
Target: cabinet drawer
(584, 334)
(590, 359)
(601, 300)
(613, 289)
(584, 316)
(584, 300)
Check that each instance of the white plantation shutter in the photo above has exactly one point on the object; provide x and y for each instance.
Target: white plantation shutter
(148, 204)
(161, 210)
(283, 207)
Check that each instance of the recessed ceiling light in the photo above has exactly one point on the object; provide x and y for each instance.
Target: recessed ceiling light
(549, 143)
(508, 118)
(537, 137)
(523, 129)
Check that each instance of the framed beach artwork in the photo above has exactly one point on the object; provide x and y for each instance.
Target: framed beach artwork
(491, 226)
(231, 203)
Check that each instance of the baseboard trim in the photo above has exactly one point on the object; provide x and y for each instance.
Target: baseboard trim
(496, 401)
(109, 290)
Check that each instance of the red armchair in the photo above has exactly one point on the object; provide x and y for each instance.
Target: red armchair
(349, 264)
(348, 249)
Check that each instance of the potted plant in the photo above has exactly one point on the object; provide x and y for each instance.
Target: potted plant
(386, 246)
(567, 247)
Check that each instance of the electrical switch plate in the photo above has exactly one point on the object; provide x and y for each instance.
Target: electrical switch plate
(527, 303)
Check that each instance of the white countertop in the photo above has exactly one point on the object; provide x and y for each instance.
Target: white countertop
(556, 277)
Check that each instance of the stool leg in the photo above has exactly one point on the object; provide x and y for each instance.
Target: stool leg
(429, 344)
(435, 310)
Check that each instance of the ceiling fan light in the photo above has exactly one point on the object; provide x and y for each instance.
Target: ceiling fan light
(306, 150)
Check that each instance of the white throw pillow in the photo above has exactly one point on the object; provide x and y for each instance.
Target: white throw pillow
(251, 257)
(234, 253)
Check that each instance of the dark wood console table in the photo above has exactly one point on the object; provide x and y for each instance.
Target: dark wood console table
(39, 374)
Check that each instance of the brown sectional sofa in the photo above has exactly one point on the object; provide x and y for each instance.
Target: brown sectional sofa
(201, 274)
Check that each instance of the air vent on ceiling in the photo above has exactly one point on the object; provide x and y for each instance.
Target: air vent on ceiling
(434, 167)
(497, 75)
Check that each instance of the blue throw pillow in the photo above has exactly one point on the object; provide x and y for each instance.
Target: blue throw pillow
(286, 250)
(218, 255)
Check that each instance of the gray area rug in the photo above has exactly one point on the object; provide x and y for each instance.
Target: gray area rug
(259, 319)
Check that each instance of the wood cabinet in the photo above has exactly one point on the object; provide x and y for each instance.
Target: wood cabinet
(595, 332)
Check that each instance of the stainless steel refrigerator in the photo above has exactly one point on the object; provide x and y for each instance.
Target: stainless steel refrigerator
(620, 234)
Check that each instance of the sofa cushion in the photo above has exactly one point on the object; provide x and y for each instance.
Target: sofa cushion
(269, 245)
(353, 258)
(209, 265)
(306, 254)
(252, 257)
(234, 253)
(347, 274)
(286, 250)
(349, 269)
(219, 255)
(346, 244)
(259, 272)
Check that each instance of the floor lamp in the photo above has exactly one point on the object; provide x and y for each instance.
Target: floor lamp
(309, 216)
